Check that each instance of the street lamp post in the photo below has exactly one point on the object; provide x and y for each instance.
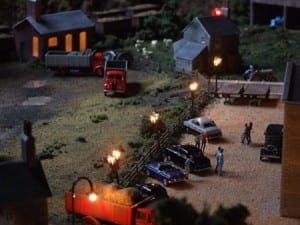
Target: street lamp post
(217, 62)
(92, 195)
(114, 163)
(153, 119)
(193, 87)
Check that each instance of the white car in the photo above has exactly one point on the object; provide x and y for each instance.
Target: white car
(204, 125)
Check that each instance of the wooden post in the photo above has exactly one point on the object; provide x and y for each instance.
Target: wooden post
(251, 13)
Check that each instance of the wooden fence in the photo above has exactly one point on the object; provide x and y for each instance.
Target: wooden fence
(156, 150)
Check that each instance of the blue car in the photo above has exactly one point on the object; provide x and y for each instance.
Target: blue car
(165, 172)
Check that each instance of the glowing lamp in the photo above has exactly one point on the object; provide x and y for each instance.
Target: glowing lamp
(116, 154)
(193, 86)
(217, 61)
(216, 12)
(93, 196)
(154, 117)
(111, 159)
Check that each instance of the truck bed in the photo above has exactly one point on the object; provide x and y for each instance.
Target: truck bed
(100, 209)
(63, 59)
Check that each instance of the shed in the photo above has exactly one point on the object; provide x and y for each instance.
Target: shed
(204, 39)
(290, 172)
(38, 33)
(24, 188)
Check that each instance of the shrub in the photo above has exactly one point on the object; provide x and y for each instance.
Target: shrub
(35, 63)
(51, 150)
(98, 118)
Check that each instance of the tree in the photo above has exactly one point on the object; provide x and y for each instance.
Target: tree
(171, 211)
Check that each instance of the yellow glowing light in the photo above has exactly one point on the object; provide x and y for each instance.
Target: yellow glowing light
(116, 154)
(154, 117)
(217, 61)
(111, 159)
(93, 196)
(193, 86)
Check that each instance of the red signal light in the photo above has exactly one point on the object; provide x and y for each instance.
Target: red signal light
(216, 12)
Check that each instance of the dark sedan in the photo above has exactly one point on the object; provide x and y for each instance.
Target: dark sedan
(152, 189)
(165, 172)
(180, 153)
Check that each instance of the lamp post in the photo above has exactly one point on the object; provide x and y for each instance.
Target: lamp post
(217, 62)
(193, 87)
(153, 119)
(92, 195)
(114, 163)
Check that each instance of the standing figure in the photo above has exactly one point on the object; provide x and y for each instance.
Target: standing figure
(248, 137)
(187, 165)
(203, 141)
(218, 150)
(244, 134)
(197, 141)
(220, 161)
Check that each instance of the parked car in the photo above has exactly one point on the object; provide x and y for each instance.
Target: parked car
(165, 172)
(180, 153)
(272, 148)
(152, 189)
(204, 125)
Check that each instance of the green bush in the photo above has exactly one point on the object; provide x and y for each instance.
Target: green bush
(36, 63)
(98, 118)
(51, 150)
(109, 42)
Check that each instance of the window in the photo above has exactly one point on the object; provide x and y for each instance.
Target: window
(82, 41)
(52, 42)
(68, 42)
(35, 46)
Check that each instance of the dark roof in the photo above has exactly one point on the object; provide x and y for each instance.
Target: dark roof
(288, 3)
(57, 22)
(291, 92)
(274, 129)
(219, 26)
(19, 183)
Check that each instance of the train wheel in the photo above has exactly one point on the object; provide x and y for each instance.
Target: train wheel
(89, 220)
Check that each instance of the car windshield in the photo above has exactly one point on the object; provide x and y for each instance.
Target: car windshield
(209, 124)
(166, 167)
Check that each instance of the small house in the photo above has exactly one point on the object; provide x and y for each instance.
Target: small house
(38, 33)
(24, 188)
(206, 39)
(290, 172)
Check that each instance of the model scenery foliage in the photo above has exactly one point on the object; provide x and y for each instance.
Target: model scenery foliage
(285, 47)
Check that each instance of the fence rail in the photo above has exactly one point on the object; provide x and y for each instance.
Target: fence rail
(157, 148)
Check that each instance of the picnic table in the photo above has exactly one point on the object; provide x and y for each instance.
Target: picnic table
(256, 93)
(231, 91)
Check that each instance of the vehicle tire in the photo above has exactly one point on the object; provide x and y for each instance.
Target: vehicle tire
(99, 72)
(89, 220)
(63, 71)
(165, 182)
(105, 93)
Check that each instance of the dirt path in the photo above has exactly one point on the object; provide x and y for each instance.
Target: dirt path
(246, 179)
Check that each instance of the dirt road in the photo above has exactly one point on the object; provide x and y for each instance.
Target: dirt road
(246, 179)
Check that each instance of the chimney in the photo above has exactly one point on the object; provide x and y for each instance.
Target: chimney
(34, 9)
(28, 145)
